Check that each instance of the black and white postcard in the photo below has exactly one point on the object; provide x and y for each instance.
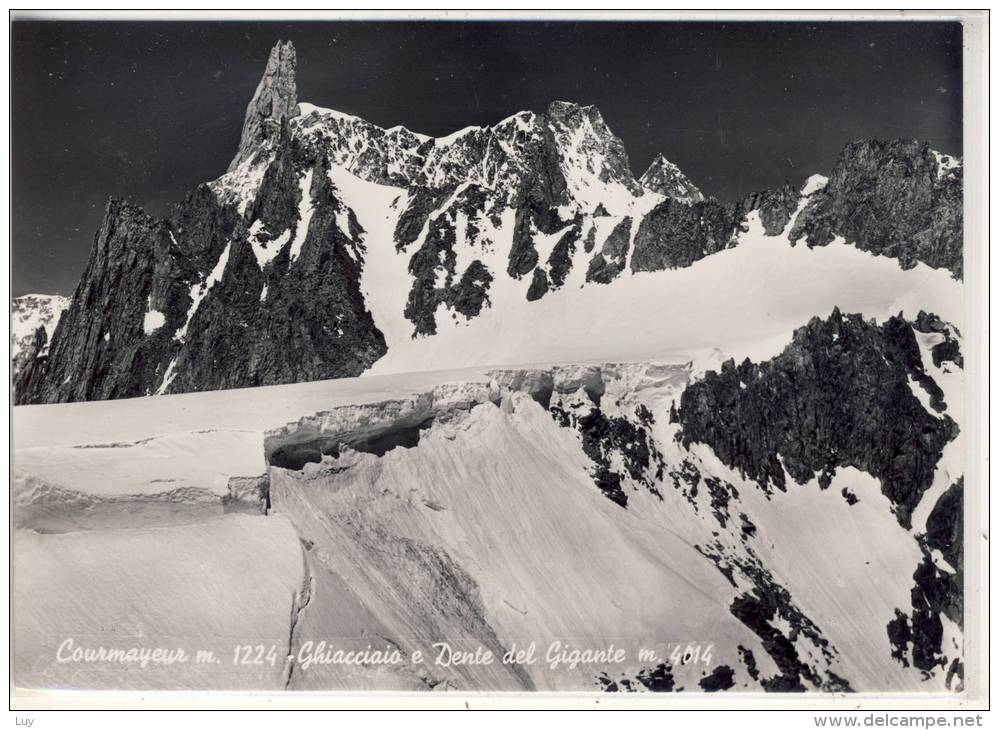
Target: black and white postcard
(630, 357)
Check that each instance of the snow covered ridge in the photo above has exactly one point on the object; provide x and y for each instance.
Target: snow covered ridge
(31, 311)
(333, 247)
(620, 494)
(28, 313)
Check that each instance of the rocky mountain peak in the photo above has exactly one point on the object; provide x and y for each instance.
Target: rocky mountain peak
(665, 178)
(275, 100)
(592, 157)
(262, 268)
(896, 198)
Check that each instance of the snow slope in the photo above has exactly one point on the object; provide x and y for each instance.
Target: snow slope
(742, 301)
(486, 531)
(203, 586)
(454, 505)
(580, 569)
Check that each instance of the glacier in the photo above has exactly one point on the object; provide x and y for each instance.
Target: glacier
(382, 406)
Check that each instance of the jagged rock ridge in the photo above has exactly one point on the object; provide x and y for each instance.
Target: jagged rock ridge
(217, 300)
(899, 198)
(838, 396)
(257, 277)
(665, 178)
(275, 100)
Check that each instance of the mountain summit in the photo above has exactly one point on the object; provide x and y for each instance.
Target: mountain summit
(665, 178)
(275, 99)
(333, 247)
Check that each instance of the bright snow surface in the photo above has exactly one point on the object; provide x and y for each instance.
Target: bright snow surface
(744, 301)
(487, 532)
(209, 585)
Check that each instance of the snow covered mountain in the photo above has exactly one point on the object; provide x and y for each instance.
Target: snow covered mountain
(333, 247)
(29, 313)
(736, 528)
(510, 395)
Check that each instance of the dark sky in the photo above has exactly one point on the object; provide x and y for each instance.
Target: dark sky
(149, 110)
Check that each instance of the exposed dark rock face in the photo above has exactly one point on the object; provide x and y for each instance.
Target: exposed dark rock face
(277, 201)
(211, 285)
(675, 235)
(310, 323)
(775, 207)
(437, 252)
(899, 636)
(539, 285)
(894, 199)
(667, 179)
(720, 679)
(758, 610)
(945, 526)
(533, 217)
(947, 351)
(101, 348)
(757, 614)
(606, 437)
(606, 265)
(422, 202)
(721, 493)
(838, 395)
(523, 254)
(560, 259)
(30, 364)
(746, 655)
(471, 293)
(275, 99)
(201, 311)
(435, 278)
(656, 679)
(938, 590)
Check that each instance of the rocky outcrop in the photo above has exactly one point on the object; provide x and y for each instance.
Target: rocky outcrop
(666, 179)
(610, 261)
(299, 317)
(217, 300)
(255, 278)
(775, 207)
(917, 634)
(839, 395)
(275, 100)
(587, 148)
(949, 350)
(113, 337)
(899, 199)
(675, 234)
(432, 266)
